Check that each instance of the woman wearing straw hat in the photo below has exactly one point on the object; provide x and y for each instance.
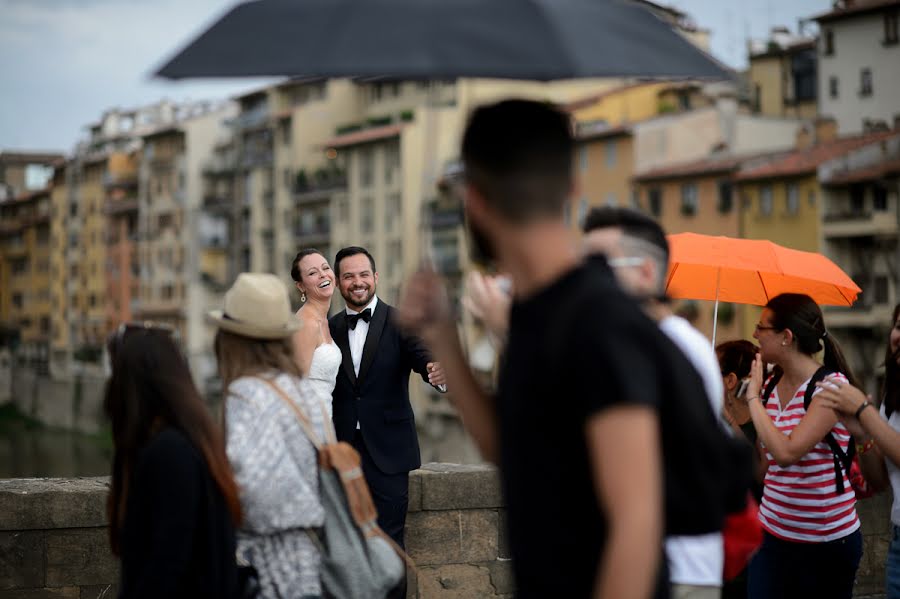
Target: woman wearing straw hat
(274, 462)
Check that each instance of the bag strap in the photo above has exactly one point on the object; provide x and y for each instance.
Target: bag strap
(770, 387)
(842, 461)
(303, 419)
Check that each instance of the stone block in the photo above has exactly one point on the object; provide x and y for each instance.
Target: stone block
(105, 591)
(415, 491)
(38, 504)
(503, 542)
(21, 559)
(80, 556)
(49, 593)
(412, 583)
(451, 537)
(455, 486)
(875, 515)
(501, 576)
(455, 581)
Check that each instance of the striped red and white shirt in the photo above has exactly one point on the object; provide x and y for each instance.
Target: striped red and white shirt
(800, 502)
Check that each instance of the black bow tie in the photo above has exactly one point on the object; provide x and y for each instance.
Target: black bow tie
(352, 319)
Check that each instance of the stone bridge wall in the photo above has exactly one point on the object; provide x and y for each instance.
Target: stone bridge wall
(53, 541)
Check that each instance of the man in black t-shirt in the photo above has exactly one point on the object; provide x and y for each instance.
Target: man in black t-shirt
(574, 426)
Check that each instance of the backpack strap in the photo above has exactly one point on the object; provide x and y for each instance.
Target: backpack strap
(770, 386)
(842, 461)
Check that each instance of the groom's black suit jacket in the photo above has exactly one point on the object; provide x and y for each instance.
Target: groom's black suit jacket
(379, 398)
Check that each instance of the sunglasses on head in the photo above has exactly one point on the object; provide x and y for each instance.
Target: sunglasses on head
(145, 325)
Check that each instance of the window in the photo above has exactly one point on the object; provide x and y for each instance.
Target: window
(828, 42)
(19, 266)
(393, 212)
(689, 199)
(793, 199)
(811, 198)
(611, 199)
(367, 215)
(17, 300)
(654, 201)
(879, 197)
(366, 167)
(343, 210)
(865, 82)
(833, 87)
(891, 36)
(726, 197)
(167, 292)
(765, 200)
(610, 153)
(583, 158)
(395, 258)
(635, 198)
(391, 161)
(880, 291)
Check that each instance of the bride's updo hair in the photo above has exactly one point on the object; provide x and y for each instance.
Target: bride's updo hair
(295, 265)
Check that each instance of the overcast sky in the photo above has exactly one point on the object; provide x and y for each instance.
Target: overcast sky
(63, 62)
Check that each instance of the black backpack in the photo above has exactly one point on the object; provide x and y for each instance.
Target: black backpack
(842, 461)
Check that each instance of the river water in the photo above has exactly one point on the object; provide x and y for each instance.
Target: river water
(28, 450)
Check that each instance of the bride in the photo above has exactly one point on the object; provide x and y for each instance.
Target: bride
(316, 353)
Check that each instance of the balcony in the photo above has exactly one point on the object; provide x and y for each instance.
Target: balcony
(320, 191)
(118, 207)
(859, 224)
(213, 242)
(256, 158)
(446, 218)
(220, 165)
(216, 204)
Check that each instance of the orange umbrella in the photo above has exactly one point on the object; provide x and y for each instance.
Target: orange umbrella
(751, 271)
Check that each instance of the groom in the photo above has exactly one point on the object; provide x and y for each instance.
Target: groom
(371, 395)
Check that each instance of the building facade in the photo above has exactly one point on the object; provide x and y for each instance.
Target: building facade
(782, 75)
(859, 54)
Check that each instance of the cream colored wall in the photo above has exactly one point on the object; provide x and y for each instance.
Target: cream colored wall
(60, 275)
(676, 138)
(598, 182)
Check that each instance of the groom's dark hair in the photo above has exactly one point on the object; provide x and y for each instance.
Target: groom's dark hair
(518, 155)
(353, 250)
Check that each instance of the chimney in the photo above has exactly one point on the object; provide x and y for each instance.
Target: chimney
(826, 129)
(804, 137)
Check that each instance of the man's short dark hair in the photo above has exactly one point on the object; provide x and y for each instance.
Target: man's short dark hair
(634, 224)
(518, 155)
(353, 250)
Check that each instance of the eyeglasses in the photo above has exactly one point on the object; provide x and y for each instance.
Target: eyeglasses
(625, 261)
(762, 327)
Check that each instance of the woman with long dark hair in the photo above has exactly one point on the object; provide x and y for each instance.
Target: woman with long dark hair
(877, 437)
(812, 544)
(173, 504)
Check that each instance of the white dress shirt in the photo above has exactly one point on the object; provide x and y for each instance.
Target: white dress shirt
(356, 338)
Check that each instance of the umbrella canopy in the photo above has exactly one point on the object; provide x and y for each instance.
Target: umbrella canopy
(749, 271)
(433, 39)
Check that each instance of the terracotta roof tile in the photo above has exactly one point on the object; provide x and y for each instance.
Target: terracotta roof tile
(806, 161)
(722, 164)
(888, 167)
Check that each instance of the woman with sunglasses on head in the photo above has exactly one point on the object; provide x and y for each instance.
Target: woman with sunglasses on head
(812, 544)
(275, 463)
(877, 434)
(173, 504)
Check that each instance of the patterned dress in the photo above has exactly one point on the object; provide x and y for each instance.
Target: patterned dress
(275, 468)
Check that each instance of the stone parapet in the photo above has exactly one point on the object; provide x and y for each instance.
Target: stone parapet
(53, 537)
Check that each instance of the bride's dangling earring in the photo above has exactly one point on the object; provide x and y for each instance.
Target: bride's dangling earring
(303, 296)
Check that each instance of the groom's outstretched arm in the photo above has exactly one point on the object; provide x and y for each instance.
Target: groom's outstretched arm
(424, 309)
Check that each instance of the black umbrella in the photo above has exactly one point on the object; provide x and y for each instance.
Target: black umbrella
(435, 39)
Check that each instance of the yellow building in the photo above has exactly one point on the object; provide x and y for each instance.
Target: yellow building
(604, 166)
(59, 271)
(697, 197)
(25, 272)
(634, 102)
(781, 196)
(90, 297)
(782, 75)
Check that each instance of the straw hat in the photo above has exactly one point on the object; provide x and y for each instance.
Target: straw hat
(257, 306)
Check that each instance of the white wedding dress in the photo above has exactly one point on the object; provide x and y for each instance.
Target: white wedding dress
(323, 369)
